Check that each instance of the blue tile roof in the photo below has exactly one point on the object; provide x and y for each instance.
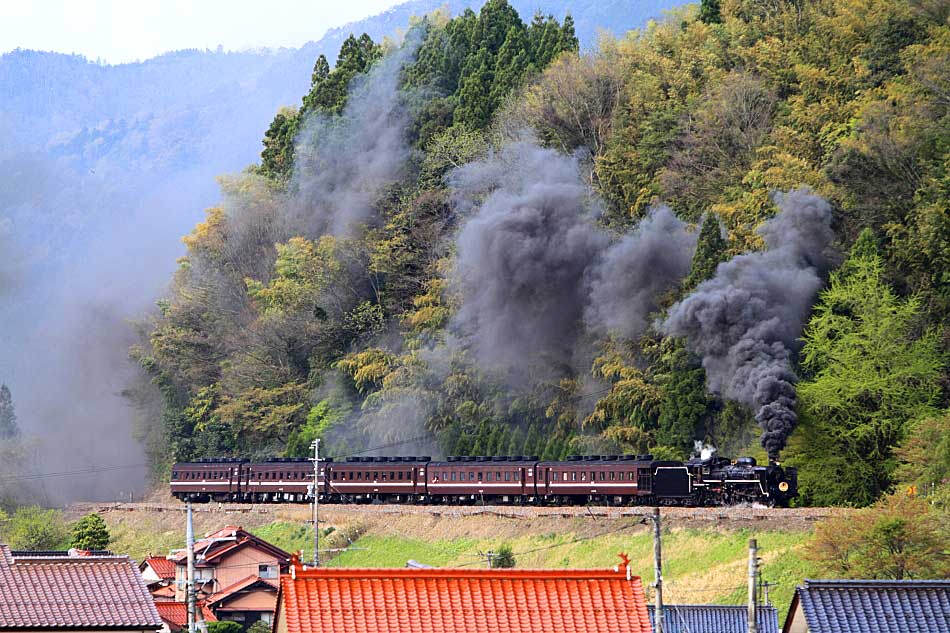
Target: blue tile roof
(882, 606)
(713, 618)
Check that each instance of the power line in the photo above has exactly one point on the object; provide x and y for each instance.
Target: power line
(68, 473)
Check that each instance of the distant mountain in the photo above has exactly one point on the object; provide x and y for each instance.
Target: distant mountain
(103, 168)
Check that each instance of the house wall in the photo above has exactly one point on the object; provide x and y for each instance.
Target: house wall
(149, 574)
(241, 564)
(258, 600)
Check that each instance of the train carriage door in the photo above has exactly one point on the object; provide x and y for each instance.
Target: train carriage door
(644, 480)
(522, 473)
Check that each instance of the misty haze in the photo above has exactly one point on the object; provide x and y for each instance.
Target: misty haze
(487, 283)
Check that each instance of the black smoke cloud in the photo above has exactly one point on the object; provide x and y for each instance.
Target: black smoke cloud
(745, 322)
(533, 266)
(522, 257)
(627, 282)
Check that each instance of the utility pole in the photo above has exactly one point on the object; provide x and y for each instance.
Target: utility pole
(316, 502)
(753, 584)
(190, 578)
(657, 571)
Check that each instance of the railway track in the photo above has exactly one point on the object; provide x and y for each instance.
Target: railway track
(733, 516)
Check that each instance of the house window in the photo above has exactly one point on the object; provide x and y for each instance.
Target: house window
(267, 618)
(204, 574)
(267, 571)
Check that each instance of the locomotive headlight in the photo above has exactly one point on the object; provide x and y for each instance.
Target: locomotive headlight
(783, 486)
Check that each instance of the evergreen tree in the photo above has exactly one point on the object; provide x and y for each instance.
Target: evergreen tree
(685, 404)
(710, 11)
(90, 533)
(568, 39)
(533, 444)
(474, 97)
(515, 442)
(321, 70)
(710, 252)
(511, 65)
(479, 446)
(464, 446)
(8, 423)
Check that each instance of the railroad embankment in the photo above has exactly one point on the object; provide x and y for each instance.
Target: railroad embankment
(704, 548)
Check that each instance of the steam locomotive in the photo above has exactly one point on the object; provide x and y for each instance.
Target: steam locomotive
(592, 479)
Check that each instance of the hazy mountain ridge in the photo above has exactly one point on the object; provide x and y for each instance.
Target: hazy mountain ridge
(104, 167)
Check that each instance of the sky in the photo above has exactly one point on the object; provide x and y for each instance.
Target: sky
(118, 31)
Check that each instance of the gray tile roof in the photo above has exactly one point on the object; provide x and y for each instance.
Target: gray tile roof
(48, 590)
(881, 606)
(714, 618)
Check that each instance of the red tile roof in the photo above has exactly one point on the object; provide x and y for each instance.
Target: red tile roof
(163, 593)
(175, 614)
(240, 587)
(162, 567)
(228, 539)
(77, 592)
(462, 601)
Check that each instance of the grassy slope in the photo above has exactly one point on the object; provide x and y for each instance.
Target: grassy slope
(701, 564)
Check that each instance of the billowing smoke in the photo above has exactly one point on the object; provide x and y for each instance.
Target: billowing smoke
(746, 320)
(627, 283)
(534, 268)
(522, 257)
(343, 163)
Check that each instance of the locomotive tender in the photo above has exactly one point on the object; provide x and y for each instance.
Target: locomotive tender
(603, 479)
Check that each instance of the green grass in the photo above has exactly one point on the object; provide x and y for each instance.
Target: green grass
(706, 565)
(290, 537)
(700, 566)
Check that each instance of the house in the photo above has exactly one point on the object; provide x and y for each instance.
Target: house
(460, 600)
(175, 616)
(159, 575)
(875, 606)
(236, 575)
(73, 591)
(714, 618)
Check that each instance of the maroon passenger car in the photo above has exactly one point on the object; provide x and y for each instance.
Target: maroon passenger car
(375, 478)
(489, 479)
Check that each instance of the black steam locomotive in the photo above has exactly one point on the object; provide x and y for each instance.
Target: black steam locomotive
(603, 479)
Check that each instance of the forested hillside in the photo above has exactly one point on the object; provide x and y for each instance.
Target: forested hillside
(728, 227)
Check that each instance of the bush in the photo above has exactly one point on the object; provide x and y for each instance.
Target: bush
(226, 627)
(900, 537)
(90, 532)
(259, 627)
(504, 558)
(34, 528)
